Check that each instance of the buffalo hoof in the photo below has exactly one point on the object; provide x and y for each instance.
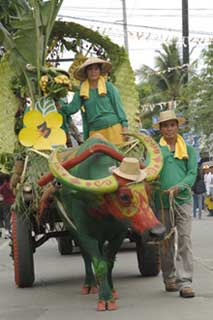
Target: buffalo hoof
(112, 305)
(93, 290)
(107, 305)
(101, 306)
(87, 290)
(115, 294)
(158, 231)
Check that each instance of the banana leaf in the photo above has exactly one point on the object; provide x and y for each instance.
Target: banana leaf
(32, 24)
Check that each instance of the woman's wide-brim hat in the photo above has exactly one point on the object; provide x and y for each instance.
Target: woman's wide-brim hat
(130, 169)
(80, 72)
(166, 116)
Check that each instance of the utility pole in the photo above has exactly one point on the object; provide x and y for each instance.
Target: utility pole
(185, 35)
(125, 26)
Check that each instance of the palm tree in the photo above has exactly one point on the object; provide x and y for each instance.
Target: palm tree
(167, 82)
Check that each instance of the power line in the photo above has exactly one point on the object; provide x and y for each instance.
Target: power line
(144, 9)
(138, 14)
(135, 25)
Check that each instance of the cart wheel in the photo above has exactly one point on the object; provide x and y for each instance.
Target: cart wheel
(22, 251)
(148, 256)
(65, 245)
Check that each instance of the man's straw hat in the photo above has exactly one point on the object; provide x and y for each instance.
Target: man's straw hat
(80, 72)
(130, 169)
(166, 116)
(205, 166)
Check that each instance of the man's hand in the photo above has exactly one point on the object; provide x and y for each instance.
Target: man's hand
(173, 190)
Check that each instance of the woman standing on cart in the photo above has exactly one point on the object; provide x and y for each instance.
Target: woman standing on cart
(99, 101)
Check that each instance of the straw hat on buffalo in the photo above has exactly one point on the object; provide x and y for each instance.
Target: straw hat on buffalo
(130, 169)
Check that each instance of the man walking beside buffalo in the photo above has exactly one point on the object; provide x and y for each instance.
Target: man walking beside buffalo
(173, 203)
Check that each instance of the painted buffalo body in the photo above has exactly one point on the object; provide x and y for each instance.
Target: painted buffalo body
(99, 207)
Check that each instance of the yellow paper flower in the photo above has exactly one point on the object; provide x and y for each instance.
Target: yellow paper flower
(42, 131)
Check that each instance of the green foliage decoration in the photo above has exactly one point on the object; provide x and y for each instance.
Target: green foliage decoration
(71, 36)
(45, 105)
(26, 43)
(9, 104)
(125, 82)
(64, 35)
(37, 166)
(6, 162)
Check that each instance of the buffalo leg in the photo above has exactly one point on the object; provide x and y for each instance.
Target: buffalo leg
(90, 283)
(91, 246)
(110, 253)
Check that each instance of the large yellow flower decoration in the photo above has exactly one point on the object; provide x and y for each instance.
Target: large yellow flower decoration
(42, 132)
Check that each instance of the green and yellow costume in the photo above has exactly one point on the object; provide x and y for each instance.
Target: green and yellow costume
(99, 111)
(180, 172)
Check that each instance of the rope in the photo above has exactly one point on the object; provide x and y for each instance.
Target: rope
(171, 215)
(134, 144)
(24, 169)
(173, 204)
(46, 156)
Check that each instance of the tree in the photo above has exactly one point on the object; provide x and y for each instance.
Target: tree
(201, 106)
(167, 82)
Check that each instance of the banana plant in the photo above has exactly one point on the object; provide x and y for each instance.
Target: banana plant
(25, 37)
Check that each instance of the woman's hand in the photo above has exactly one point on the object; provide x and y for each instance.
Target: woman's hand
(57, 104)
(125, 136)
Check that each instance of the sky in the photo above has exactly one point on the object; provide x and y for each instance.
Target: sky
(149, 23)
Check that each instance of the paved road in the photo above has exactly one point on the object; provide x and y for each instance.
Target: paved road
(56, 294)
